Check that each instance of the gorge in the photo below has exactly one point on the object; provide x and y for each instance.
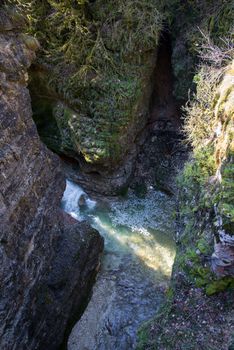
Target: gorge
(116, 191)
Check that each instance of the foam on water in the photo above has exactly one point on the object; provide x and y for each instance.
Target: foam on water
(70, 200)
(137, 226)
(139, 214)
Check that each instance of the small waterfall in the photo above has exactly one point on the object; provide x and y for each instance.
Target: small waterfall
(135, 268)
(90, 203)
(71, 200)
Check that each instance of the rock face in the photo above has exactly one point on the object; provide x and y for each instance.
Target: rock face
(199, 309)
(223, 256)
(48, 260)
(91, 97)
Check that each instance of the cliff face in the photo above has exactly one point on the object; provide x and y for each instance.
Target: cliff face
(100, 70)
(91, 83)
(199, 308)
(48, 260)
(207, 180)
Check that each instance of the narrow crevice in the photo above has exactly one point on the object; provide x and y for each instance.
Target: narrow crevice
(164, 108)
(162, 151)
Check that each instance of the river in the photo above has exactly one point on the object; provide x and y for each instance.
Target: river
(135, 269)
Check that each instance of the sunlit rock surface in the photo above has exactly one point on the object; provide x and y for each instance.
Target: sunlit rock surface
(48, 261)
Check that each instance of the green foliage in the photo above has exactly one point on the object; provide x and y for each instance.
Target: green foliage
(225, 195)
(221, 21)
(137, 27)
(143, 337)
(100, 57)
(219, 285)
(170, 293)
(199, 112)
(202, 246)
(200, 187)
(201, 167)
(144, 340)
(200, 123)
(207, 179)
(185, 19)
(196, 194)
(198, 272)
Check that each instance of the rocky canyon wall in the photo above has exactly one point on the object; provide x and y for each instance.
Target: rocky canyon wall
(48, 260)
(91, 83)
(198, 312)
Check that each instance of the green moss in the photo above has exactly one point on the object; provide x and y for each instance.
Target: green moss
(143, 337)
(202, 166)
(203, 246)
(207, 179)
(225, 195)
(100, 57)
(184, 18)
(220, 285)
(144, 341)
(170, 293)
(192, 262)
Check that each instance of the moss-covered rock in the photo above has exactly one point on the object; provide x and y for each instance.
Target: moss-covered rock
(189, 22)
(206, 197)
(97, 59)
(203, 274)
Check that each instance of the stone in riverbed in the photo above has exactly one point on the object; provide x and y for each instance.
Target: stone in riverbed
(82, 200)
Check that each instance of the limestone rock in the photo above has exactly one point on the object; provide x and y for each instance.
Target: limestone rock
(48, 260)
(99, 96)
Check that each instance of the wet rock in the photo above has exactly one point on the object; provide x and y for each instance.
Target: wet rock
(47, 261)
(102, 181)
(82, 200)
(120, 302)
(134, 271)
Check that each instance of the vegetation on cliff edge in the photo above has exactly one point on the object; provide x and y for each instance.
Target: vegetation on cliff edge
(97, 58)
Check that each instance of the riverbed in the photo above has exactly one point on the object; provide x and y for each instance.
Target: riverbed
(135, 269)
